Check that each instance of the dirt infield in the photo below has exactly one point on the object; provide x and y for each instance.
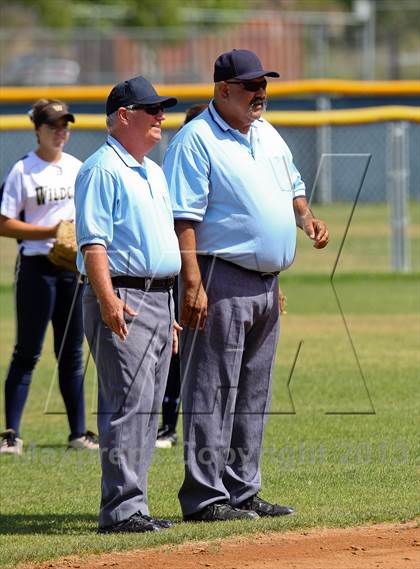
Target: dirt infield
(372, 547)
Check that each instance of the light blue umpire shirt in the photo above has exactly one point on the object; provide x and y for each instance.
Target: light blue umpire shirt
(239, 188)
(125, 206)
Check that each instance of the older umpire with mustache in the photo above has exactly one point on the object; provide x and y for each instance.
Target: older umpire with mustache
(237, 198)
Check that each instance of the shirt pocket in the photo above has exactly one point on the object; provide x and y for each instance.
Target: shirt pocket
(282, 172)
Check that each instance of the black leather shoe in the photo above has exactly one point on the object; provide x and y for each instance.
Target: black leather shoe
(264, 508)
(135, 524)
(220, 512)
(163, 524)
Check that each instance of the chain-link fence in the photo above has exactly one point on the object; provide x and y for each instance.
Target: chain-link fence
(376, 163)
(345, 156)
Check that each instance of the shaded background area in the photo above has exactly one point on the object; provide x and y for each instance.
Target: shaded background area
(48, 42)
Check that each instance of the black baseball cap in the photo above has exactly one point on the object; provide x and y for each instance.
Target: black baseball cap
(135, 91)
(240, 64)
(50, 113)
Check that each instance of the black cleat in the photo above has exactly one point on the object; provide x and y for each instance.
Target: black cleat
(163, 524)
(220, 512)
(135, 524)
(263, 508)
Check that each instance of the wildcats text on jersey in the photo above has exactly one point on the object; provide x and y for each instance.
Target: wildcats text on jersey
(47, 194)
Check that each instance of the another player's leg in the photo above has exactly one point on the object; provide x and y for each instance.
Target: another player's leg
(167, 437)
(67, 322)
(35, 297)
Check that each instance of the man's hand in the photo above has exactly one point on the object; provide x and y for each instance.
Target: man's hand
(194, 306)
(194, 297)
(316, 230)
(175, 340)
(282, 302)
(112, 313)
(112, 307)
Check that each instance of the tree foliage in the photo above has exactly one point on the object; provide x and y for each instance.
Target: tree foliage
(106, 13)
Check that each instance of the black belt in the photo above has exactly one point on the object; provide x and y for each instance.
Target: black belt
(143, 283)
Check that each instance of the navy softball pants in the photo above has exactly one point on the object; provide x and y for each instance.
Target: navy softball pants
(43, 293)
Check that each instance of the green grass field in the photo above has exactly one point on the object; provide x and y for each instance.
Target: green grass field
(342, 448)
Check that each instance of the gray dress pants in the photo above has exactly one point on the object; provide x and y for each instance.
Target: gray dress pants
(131, 382)
(226, 385)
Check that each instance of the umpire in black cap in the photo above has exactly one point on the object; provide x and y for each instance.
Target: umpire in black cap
(129, 252)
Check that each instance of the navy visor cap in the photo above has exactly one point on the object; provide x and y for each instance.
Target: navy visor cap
(240, 64)
(135, 91)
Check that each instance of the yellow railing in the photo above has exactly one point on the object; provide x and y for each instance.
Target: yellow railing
(191, 92)
(278, 118)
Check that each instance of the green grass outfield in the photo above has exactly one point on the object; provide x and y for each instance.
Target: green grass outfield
(339, 447)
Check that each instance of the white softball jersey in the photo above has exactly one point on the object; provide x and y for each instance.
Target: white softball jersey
(40, 193)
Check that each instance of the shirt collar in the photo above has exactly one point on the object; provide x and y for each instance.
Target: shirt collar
(125, 156)
(222, 123)
(217, 118)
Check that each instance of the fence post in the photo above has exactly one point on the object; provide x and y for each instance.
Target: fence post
(398, 195)
(323, 138)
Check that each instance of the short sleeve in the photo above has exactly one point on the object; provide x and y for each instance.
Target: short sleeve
(298, 185)
(94, 200)
(187, 174)
(12, 193)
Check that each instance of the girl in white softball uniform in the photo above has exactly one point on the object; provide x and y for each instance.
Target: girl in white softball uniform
(35, 197)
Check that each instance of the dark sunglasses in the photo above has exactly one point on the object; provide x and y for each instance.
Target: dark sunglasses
(252, 86)
(149, 109)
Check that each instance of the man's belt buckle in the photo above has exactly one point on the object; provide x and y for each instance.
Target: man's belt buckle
(150, 283)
